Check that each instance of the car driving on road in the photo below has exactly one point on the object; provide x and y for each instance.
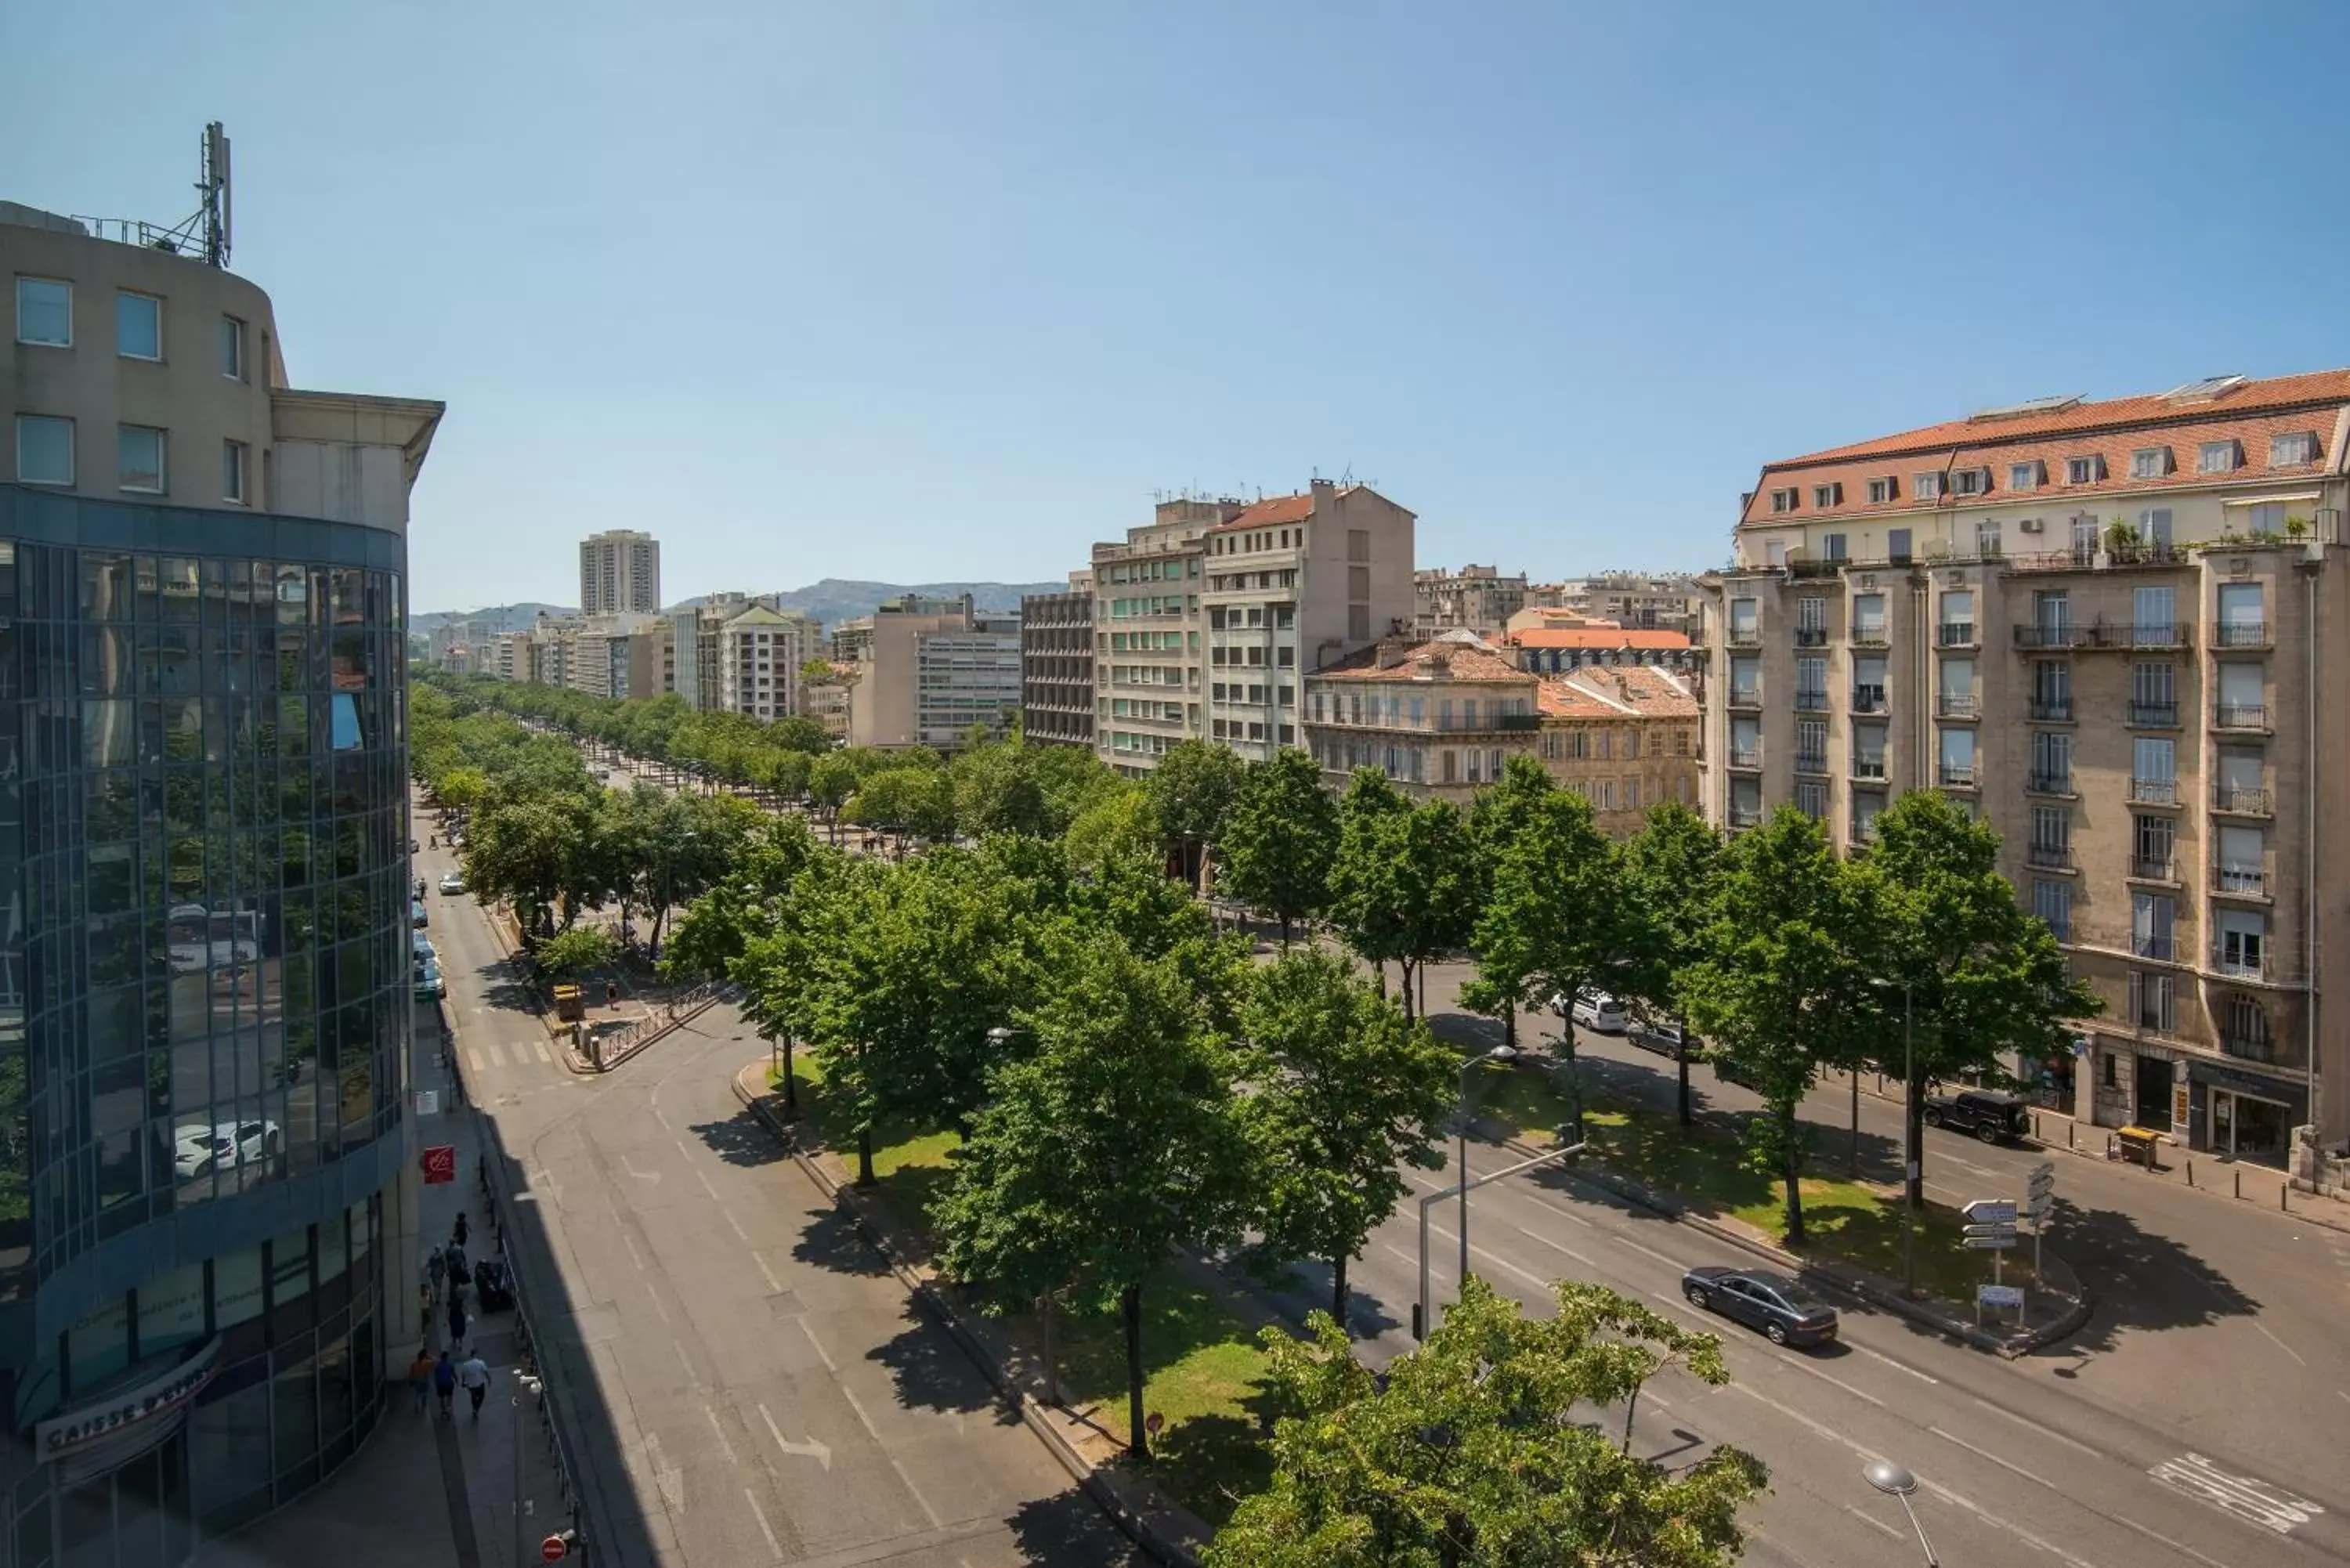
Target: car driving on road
(452, 882)
(1990, 1113)
(1594, 1009)
(1782, 1308)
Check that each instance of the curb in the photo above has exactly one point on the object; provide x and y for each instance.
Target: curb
(1843, 1277)
(1137, 1528)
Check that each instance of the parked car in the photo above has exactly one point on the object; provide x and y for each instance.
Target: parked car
(1990, 1113)
(1596, 1010)
(198, 1149)
(420, 948)
(452, 882)
(416, 914)
(1662, 1035)
(1782, 1308)
(429, 986)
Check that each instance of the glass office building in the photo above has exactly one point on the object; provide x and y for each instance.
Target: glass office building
(205, 982)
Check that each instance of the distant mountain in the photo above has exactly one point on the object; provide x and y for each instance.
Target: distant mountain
(504, 618)
(836, 599)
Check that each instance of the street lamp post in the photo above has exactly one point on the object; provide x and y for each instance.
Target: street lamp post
(1461, 1110)
(1895, 1481)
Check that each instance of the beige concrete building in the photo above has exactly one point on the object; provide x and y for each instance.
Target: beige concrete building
(928, 670)
(1668, 601)
(760, 651)
(1553, 642)
(617, 656)
(1444, 718)
(1474, 598)
(620, 573)
(2102, 626)
(1149, 689)
(827, 702)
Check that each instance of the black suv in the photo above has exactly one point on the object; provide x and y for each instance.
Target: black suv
(1990, 1113)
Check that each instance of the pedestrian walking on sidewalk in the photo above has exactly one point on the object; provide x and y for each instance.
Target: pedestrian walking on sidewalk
(444, 1381)
(436, 1266)
(420, 1375)
(474, 1374)
(460, 1232)
(456, 1321)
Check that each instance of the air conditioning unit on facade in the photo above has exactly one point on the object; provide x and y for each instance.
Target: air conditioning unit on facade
(2028, 525)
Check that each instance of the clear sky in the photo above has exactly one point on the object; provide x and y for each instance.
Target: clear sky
(933, 291)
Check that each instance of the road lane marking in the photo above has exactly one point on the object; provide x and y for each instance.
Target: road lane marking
(657, 1307)
(1897, 1366)
(724, 1446)
(1871, 1520)
(1967, 1165)
(703, 1177)
(928, 1511)
(2280, 1343)
(688, 1364)
(774, 1547)
(2246, 1496)
(1800, 1365)
(492, 1056)
(1555, 1246)
(775, 1286)
(812, 1450)
(2009, 1466)
(631, 1243)
(1651, 1251)
(821, 1354)
(2030, 1426)
(740, 1234)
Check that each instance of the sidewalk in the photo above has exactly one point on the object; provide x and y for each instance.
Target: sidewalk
(423, 1491)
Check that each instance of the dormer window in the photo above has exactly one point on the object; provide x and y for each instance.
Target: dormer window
(1883, 490)
(2291, 450)
(2220, 457)
(2150, 463)
(1828, 495)
(1784, 499)
(1971, 481)
(2085, 470)
(1927, 487)
(2027, 475)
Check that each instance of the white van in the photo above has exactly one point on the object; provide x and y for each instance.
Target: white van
(1596, 1009)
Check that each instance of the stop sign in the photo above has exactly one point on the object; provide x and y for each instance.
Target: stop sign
(554, 1548)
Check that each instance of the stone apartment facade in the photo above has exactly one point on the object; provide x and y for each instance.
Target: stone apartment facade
(2104, 628)
(1474, 598)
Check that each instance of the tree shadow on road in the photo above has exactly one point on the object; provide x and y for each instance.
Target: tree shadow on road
(741, 1140)
(830, 1239)
(1068, 1531)
(2143, 1282)
(932, 1370)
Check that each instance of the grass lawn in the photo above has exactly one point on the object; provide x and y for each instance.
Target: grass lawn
(1205, 1369)
(1855, 1222)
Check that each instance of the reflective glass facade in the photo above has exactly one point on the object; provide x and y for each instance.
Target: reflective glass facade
(204, 1007)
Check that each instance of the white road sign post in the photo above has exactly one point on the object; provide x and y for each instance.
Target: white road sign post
(2039, 1201)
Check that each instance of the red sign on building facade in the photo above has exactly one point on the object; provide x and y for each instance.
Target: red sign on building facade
(440, 1163)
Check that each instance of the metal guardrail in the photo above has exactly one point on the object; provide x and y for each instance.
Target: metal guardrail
(603, 1053)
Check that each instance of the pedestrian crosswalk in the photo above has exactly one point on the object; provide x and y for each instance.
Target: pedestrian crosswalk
(501, 1053)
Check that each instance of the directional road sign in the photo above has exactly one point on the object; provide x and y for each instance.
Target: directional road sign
(1991, 1211)
(1989, 1244)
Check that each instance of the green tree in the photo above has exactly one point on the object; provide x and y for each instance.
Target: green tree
(1984, 977)
(832, 780)
(1551, 923)
(1365, 902)
(1279, 839)
(1471, 1453)
(579, 951)
(1347, 1090)
(1191, 787)
(1672, 872)
(1114, 1142)
(1119, 825)
(1784, 984)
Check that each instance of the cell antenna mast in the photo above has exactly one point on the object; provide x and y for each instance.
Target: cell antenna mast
(219, 211)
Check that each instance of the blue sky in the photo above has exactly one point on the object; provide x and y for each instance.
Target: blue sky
(931, 291)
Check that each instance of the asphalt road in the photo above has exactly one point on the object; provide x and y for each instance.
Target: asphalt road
(754, 1388)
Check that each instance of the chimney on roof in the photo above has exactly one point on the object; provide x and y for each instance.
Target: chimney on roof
(1390, 650)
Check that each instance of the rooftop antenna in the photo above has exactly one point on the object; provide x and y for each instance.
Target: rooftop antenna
(218, 210)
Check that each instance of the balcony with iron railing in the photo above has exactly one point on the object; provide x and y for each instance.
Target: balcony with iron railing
(2240, 716)
(1749, 697)
(2241, 881)
(1810, 699)
(1746, 759)
(2153, 715)
(2038, 634)
(1811, 762)
(2156, 635)
(2241, 802)
(2037, 783)
(1868, 699)
(1956, 775)
(1870, 768)
(1955, 634)
(1741, 816)
(2054, 710)
(2154, 792)
(1744, 637)
(2242, 634)
(2048, 857)
(2246, 961)
(1811, 637)
(2154, 868)
(2162, 949)
(1864, 833)
(1870, 635)
(1949, 706)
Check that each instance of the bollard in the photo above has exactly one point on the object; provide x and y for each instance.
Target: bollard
(2191, 1170)
(2068, 1135)
(2284, 1206)
(2240, 1184)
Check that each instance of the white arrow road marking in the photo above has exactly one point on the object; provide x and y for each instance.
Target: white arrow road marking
(631, 1167)
(820, 1452)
